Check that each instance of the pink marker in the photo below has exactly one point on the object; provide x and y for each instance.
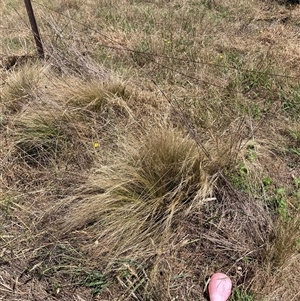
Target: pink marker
(219, 287)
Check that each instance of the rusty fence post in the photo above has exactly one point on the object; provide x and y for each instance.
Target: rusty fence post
(35, 30)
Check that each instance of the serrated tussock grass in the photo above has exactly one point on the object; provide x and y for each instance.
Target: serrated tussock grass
(161, 186)
(281, 262)
(156, 180)
(97, 96)
(41, 136)
(284, 244)
(21, 86)
(63, 125)
(156, 212)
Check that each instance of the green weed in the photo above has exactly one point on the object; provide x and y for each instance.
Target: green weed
(267, 181)
(295, 151)
(241, 175)
(6, 206)
(241, 295)
(280, 202)
(96, 281)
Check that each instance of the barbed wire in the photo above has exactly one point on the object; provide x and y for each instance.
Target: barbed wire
(152, 57)
(123, 47)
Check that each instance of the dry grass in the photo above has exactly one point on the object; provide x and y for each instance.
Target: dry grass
(22, 86)
(157, 143)
(161, 177)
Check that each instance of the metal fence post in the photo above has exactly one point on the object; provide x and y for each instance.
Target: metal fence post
(38, 42)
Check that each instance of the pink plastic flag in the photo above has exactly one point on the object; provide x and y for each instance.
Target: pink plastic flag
(219, 287)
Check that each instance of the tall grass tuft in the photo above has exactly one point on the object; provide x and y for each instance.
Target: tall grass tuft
(136, 202)
(21, 87)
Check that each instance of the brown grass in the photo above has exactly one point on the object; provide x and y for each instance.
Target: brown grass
(157, 144)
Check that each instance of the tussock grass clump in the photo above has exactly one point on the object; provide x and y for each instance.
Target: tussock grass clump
(21, 86)
(161, 192)
(97, 96)
(280, 268)
(135, 201)
(50, 135)
(39, 137)
(65, 124)
(284, 244)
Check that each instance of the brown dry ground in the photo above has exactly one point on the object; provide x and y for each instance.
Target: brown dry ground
(157, 143)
